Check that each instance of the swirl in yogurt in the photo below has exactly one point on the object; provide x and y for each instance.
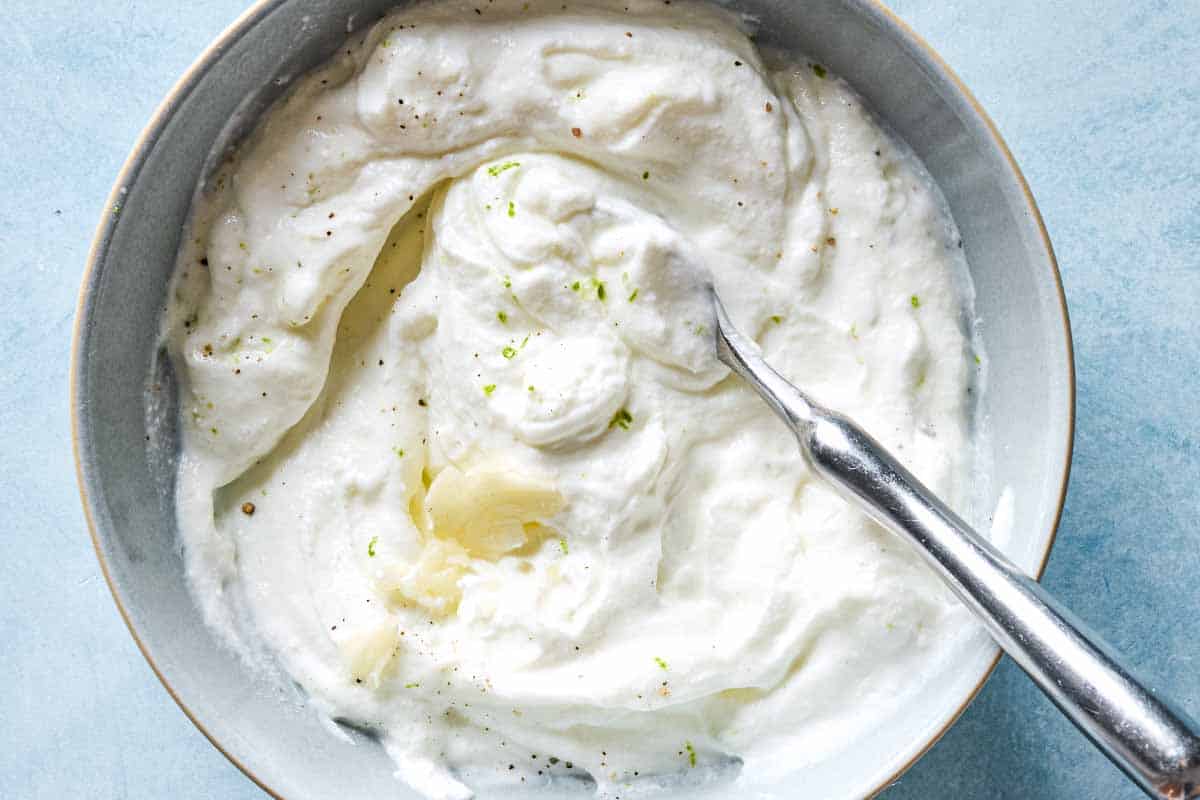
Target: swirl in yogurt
(458, 456)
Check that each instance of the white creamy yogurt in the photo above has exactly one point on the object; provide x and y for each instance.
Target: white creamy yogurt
(458, 455)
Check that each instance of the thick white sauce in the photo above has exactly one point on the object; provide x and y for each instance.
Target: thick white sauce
(458, 455)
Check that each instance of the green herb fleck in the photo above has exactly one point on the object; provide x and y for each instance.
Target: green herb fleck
(503, 317)
(525, 341)
(412, 686)
(512, 209)
(701, 330)
(509, 352)
(691, 751)
(776, 319)
(575, 286)
(507, 282)
(531, 388)
(371, 546)
(491, 387)
(661, 664)
(399, 451)
(242, 245)
(622, 419)
(265, 339)
(819, 71)
(562, 545)
(496, 169)
(916, 301)
(633, 295)
(116, 209)
(977, 360)
(601, 292)
(854, 330)
(645, 176)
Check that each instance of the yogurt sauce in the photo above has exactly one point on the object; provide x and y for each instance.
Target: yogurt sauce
(458, 456)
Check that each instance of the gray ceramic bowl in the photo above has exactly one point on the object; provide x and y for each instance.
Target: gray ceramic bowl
(123, 399)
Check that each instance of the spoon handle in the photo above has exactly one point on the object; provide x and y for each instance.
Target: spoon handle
(1157, 746)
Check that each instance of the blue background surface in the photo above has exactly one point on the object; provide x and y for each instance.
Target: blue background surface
(1100, 102)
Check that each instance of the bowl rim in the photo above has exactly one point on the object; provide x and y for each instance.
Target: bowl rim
(260, 9)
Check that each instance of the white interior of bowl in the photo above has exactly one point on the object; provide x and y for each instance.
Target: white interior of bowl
(127, 479)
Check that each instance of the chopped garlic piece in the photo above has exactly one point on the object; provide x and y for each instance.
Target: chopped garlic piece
(369, 653)
(489, 510)
(432, 581)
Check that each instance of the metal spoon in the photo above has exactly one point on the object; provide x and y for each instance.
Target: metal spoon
(1157, 746)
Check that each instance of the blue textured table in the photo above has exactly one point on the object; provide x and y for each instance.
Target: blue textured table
(1100, 102)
